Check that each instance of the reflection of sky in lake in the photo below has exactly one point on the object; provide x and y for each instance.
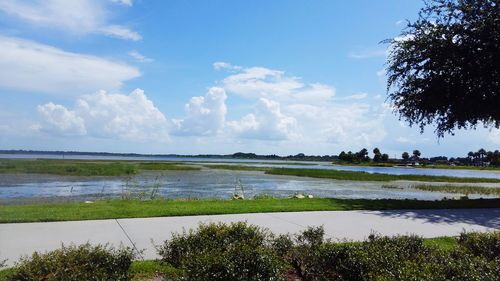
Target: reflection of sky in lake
(203, 184)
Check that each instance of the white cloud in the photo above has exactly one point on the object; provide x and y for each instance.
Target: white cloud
(268, 123)
(30, 66)
(76, 16)
(58, 119)
(494, 136)
(261, 82)
(123, 2)
(205, 114)
(358, 96)
(344, 124)
(224, 65)
(121, 32)
(139, 57)
(290, 109)
(127, 117)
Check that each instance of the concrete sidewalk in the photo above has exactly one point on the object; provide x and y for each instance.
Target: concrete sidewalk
(24, 238)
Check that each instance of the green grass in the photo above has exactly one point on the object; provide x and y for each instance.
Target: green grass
(145, 270)
(139, 271)
(444, 242)
(363, 176)
(6, 273)
(461, 189)
(158, 166)
(113, 209)
(84, 167)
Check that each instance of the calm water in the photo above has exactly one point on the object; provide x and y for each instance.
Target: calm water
(285, 164)
(218, 183)
(199, 184)
(396, 170)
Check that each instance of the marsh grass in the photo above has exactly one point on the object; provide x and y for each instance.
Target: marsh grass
(363, 176)
(460, 189)
(347, 175)
(133, 189)
(84, 167)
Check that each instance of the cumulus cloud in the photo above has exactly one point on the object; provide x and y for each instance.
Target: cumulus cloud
(287, 108)
(52, 70)
(344, 124)
(76, 16)
(128, 117)
(205, 114)
(268, 123)
(58, 119)
(261, 82)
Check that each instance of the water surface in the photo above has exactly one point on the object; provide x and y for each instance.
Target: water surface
(202, 184)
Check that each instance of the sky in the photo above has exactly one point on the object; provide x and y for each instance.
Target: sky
(207, 77)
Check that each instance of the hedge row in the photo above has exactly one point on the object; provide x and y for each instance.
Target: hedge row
(239, 251)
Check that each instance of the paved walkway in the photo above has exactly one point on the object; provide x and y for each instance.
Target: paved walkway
(24, 238)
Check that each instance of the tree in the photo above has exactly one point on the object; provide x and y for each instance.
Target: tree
(377, 156)
(362, 155)
(444, 68)
(416, 154)
(470, 155)
(405, 156)
(384, 157)
(482, 153)
(343, 156)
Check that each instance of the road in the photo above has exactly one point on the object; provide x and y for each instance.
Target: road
(23, 238)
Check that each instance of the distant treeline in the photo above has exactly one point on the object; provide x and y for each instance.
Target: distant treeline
(238, 155)
(478, 158)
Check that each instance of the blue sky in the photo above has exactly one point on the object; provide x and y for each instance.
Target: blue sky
(206, 77)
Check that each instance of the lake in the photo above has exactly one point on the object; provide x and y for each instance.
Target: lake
(278, 163)
(220, 184)
(202, 184)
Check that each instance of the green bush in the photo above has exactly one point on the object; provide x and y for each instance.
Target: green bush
(482, 244)
(393, 258)
(236, 251)
(84, 262)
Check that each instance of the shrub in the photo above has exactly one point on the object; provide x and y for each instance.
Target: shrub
(84, 262)
(394, 258)
(482, 244)
(236, 251)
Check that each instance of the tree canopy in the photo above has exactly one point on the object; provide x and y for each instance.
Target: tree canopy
(444, 69)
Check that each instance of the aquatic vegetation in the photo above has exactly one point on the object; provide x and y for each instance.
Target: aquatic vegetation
(85, 167)
(364, 176)
(461, 189)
